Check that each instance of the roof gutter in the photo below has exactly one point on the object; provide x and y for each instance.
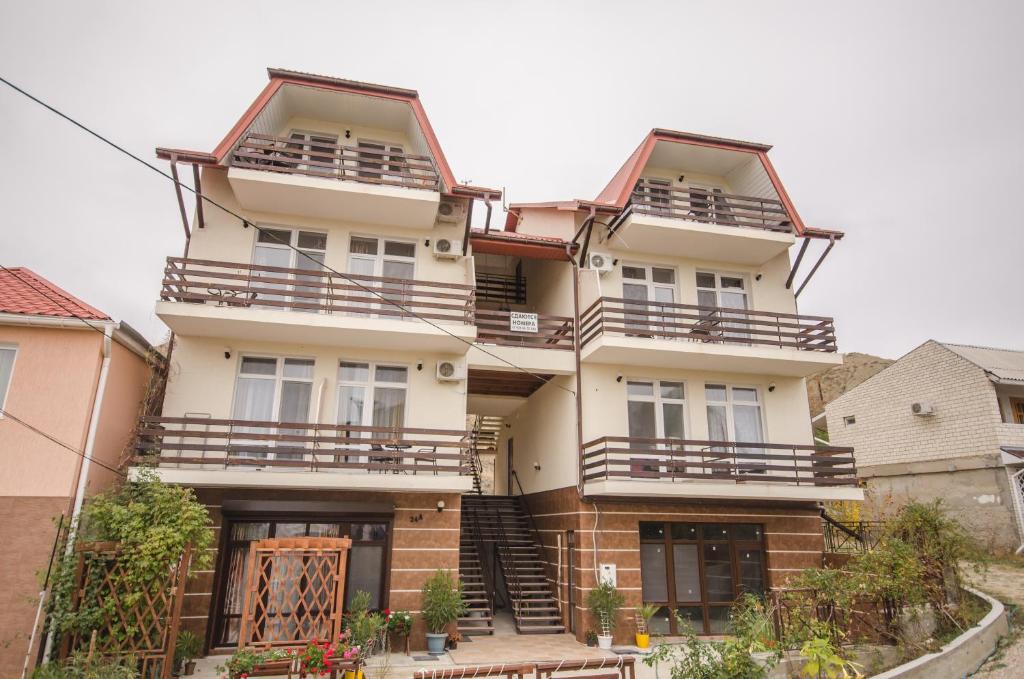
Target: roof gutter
(123, 334)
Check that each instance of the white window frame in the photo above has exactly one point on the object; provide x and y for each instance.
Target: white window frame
(385, 160)
(307, 144)
(649, 319)
(369, 387)
(5, 390)
(730, 419)
(293, 261)
(382, 288)
(653, 195)
(718, 290)
(659, 416)
(278, 379)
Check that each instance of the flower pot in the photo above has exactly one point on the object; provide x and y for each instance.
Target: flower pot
(643, 640)
(350, 674)
(604, 642)
(190, 668)
(435, 643)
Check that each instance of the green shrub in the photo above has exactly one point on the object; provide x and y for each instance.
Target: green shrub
(442, 601)
(604, 602)
(78, 666)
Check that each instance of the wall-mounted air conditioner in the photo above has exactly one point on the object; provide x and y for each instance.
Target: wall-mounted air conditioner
(600, 262)
(446, 248)
(450, 211)
(450, 371)
(922, 408)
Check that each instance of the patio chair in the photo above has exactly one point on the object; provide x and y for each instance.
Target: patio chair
(430, 460)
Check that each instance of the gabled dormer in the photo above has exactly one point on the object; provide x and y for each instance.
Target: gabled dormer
(702, 197)
(330, 148)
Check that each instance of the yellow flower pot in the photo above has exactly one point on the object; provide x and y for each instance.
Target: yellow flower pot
(643, 640)
(349, 674)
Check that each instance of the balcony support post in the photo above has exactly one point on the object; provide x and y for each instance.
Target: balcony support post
(181, 198)
(814, 269)
(197, 182)
(796, 264)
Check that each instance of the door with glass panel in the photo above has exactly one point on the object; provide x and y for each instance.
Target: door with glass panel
(696, 571)
(655, 195)
(734, 414)
(315, 153)
(381, 161)
(718, 291)
(372, 395)
(296, 250)
(272, 390)
(391, 264)
(365, 571)
(656, 410)
(646, 288)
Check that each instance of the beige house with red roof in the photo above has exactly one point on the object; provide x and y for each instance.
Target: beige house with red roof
(69, 370)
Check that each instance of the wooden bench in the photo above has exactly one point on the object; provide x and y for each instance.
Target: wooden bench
(507, 670)
(623, 665)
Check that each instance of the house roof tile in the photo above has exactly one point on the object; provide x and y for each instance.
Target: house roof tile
(22, 291)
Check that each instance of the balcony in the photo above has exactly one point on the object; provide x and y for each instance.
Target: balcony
(622, 331)
(705, 224)
(230, 299)
(549, 350)
(621, 465)
(200, 451)
(323, 179)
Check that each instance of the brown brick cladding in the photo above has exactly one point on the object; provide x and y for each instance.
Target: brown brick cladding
(793, 540)
(417, 547)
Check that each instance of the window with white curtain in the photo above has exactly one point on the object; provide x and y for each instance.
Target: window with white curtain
(656, 410)
(734, 414)
(291, 249)
(6, 373)
(320, 153)
(387, 258)
(729, 291)
(644, 286)
(371, 395)
(272, 389)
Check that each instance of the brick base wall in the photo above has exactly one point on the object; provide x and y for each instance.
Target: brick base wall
(27, 533)
(419, 546)
(793, 541)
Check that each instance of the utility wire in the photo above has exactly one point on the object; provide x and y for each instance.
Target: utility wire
(246, 223)
(54, 439)
(54, 297)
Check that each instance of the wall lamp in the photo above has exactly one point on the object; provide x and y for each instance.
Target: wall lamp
(440, 505)
(618, 378)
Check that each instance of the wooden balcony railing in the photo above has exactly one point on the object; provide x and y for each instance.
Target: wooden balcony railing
(662, 459)
(710, 207)
(333, 161)
(553, 332)
(205, 443)
(234, 284)
(694, 323)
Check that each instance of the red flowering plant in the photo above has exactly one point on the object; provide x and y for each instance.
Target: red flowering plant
(317, 658)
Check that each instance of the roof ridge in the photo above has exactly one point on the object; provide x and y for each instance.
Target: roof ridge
(979, 346)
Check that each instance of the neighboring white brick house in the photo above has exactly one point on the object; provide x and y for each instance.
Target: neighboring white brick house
(968, 452)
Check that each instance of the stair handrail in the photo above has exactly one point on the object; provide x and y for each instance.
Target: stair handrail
(833, 524)
(540, 544)
(478, 543)
(508, 567)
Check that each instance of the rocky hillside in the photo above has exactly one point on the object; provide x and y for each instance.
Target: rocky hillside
(827, 385)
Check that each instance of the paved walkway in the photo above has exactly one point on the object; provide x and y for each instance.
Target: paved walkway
(1006, 583)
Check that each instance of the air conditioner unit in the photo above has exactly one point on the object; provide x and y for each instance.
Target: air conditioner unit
(445, 248)
(600, 262)
(923, 408)
(450, 371)
(450, 211)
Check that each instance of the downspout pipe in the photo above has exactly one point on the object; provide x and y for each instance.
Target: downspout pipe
(90, 444)
(579, 377)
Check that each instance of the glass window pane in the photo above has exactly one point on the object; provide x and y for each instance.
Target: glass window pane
(298, 367)
(403, 270)
(746, 531)
(672, 420)
(660, 622)
(641, 420)
(295, 399)
(390, 373)
(748, 423)
(640, 388)
(363, 246)
(324, 530)
(6, 368)
(718, 572)
(652, 531)
(744, 394)
(246, 531)
(693, 616)
(684, 531)
(687, 572)
(731, 282)
(718, 619)
(653, 572)
(354, 372)
(313, 241)
(671, 390)
(634, 273)
(659, 275)
(368, 532)
(714, 392)
(388, 407)
(258, 366)
(399, 249)
(705, 280)
(707, 298)
(365, 573)
(254, 399)
(718, 429)
(277, 236)
(751, 570)
(290, 530)
(714, 531)
(351, 401)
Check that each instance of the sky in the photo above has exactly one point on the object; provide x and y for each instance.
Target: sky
(899, 123)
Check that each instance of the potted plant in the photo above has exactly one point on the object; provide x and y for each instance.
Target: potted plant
(643, 620)
(399, 624)
(604, 602)
(591, 638)
(442, 605)
(186, 649)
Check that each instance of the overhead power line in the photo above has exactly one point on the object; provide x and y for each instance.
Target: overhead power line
(54, 439)
(246, 223)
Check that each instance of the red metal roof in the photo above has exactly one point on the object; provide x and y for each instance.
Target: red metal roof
(23, 291)
(518, 244)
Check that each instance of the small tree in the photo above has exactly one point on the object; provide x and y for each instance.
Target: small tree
(442, 601)
(604, 602)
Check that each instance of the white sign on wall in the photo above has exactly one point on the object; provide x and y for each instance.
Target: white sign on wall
(522, 322)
